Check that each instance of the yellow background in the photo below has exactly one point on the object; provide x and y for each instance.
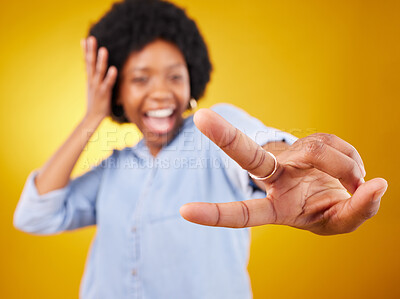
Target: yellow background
(302, 66)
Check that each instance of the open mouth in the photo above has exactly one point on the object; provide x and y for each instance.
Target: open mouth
(159, 121)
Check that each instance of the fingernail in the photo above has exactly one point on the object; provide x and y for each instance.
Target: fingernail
(360, 182)
(378, 194)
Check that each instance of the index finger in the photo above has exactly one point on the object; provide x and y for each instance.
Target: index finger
(237, 145)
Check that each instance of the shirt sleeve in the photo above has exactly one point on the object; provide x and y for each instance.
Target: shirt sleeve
(258, 132)
(71, 207)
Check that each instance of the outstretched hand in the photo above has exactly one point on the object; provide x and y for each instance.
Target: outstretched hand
(309, 190)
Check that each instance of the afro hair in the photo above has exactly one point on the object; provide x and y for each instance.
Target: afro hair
(132, 24)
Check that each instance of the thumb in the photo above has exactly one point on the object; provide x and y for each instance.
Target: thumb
(364, 203)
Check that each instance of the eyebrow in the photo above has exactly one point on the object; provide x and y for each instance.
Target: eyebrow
(179, 64)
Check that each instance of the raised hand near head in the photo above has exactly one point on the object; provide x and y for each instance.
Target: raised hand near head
(100, 80)
(309, 189)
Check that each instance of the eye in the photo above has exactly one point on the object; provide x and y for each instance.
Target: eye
(140, 79)
(176, 77)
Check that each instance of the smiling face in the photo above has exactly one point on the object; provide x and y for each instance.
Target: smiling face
(154, 91)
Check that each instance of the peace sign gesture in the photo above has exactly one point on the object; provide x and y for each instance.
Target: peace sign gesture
(308, 190)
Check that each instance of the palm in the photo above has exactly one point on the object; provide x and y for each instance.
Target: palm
(306, 198)
(308, 190)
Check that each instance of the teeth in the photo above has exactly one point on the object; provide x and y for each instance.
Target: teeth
(160, 113)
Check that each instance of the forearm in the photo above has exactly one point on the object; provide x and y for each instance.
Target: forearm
(55, 174)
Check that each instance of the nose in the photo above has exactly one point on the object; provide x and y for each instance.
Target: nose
(161, 91)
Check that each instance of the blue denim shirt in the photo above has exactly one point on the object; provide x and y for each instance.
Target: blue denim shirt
(143, 248)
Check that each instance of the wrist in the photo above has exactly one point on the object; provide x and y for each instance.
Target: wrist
(93, 119)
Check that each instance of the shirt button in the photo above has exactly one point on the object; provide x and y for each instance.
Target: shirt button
(133, 229)
(134, 272)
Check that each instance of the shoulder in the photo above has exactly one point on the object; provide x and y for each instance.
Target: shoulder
(251, 126)
(239, 118)
(234, 115)
(227, 110)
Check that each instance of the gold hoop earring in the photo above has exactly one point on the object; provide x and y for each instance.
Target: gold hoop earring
(192, 104)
